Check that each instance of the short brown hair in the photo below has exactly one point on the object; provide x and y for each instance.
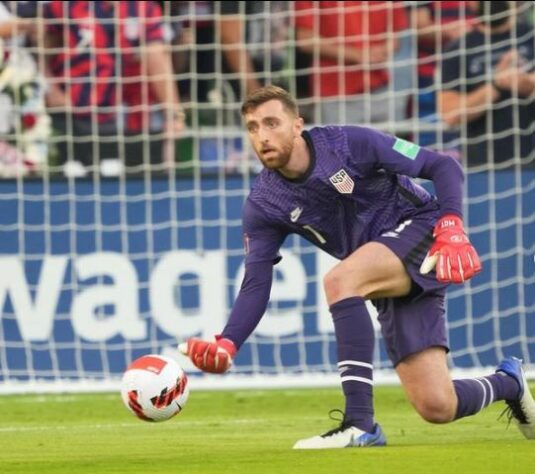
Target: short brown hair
(266, 93)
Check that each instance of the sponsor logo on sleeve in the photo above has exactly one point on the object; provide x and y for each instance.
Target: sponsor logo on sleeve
(405, 148)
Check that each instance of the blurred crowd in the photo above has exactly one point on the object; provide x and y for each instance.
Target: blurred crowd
(112, 86)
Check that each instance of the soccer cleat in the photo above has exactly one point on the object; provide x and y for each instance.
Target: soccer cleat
(345, 436)
(523, 408)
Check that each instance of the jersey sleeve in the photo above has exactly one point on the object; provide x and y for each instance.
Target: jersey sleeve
(250, 304)
(261, 238)
(262, 241)
(372, 151)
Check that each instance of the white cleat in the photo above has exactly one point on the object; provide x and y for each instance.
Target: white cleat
(521, 409)
(345, 436)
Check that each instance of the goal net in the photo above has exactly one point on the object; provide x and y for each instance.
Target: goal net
(120, 234)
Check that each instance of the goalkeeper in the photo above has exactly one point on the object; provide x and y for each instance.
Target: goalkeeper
(348, 190)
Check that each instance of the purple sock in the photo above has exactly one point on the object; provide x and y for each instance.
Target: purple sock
(475, 394)
(355, 344)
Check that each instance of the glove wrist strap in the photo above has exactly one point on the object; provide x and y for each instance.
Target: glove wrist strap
(449, 221)
(226, 344)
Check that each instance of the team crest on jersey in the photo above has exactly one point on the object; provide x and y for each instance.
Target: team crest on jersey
(342, 182)
(132, 29)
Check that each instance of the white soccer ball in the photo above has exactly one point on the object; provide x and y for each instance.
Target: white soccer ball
(154, 388)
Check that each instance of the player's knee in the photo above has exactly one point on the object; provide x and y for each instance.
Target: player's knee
(436, 409)
(331, 285)
(337, 286)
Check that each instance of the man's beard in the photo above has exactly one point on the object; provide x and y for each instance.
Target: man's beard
(282, 159)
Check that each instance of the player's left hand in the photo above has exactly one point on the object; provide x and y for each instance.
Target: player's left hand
(452, 254)
(214, 357)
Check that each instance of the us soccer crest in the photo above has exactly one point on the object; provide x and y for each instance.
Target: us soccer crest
(342, 182)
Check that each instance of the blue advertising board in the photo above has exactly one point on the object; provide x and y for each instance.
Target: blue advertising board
(94, 274)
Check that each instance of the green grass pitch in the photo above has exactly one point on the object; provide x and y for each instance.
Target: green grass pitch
(245, 432)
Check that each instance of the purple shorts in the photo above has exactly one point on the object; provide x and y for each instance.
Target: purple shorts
(417, 321)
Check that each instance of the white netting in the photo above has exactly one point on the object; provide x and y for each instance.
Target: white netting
(129, 239)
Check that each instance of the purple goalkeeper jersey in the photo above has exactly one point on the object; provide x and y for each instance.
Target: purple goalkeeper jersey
(358, 186)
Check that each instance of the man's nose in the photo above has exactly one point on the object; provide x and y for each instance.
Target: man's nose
(263, 134)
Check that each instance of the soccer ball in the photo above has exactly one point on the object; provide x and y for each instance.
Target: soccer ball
(154, 388)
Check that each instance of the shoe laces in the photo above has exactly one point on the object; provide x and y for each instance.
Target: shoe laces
(513, 410)
(344, 424)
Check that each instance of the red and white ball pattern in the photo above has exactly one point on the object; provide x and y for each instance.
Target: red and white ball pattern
(154, 388)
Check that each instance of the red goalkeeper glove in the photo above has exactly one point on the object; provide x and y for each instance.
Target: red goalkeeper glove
(214, 357)
(455, 258)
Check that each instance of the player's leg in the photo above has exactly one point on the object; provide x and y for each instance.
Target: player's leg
(438, 399)
(372, 269)
(428, 385)
(414, 330)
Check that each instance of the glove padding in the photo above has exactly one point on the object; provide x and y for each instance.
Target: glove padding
(455, 258)
(214, 357)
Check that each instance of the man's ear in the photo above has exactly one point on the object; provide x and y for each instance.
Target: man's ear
(299, 125)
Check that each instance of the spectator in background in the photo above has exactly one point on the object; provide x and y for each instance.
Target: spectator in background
(82, 82)
(402, 81)
(24, 123)
(351, 43)
(303, 63)
(150, 94)
(106, 56)
(489, 93)
(437, 24)
(235, 48)
(222, 51)
(254, 38)
(194, 48)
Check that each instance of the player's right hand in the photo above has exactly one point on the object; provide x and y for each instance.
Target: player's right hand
(214, 357)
